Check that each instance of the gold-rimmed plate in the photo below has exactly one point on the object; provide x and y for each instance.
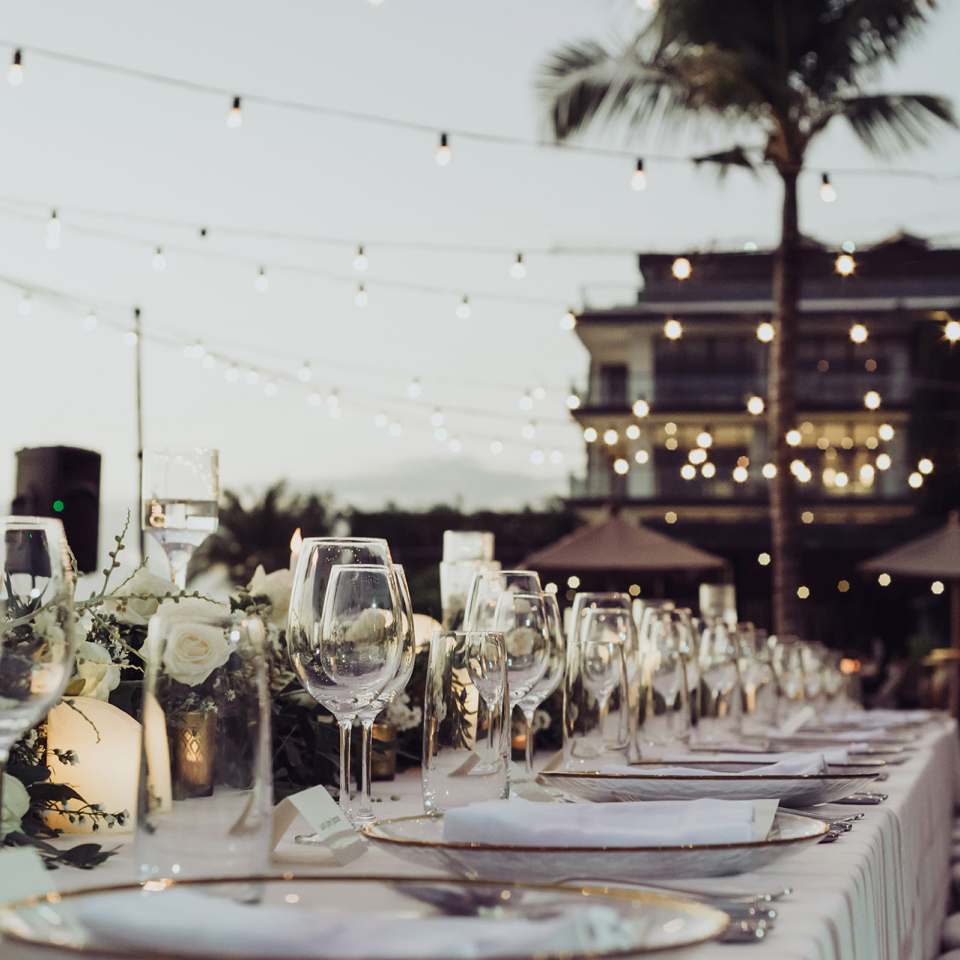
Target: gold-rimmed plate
(420, 840)
(359, 918)
(722, 781)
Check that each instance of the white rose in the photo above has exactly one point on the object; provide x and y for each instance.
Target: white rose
(16, 802)
(195, 646)
(138, 612)
(99, 673)
(276, 587)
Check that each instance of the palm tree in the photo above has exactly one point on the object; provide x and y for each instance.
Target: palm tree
(785, 69)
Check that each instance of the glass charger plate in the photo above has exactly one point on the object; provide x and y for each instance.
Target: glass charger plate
(359, 918)
(796, 790)
(420, 839)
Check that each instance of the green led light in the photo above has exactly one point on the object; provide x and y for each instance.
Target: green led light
(58, 506)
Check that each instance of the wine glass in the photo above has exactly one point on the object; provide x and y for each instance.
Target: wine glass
(181, 487)
(486, 663)
(603, 638)
(552, 674)
(319, 557)
(37, 624)
(485, 591)
(720, 694)
(408, 654)
(522, 619)
(666, 716)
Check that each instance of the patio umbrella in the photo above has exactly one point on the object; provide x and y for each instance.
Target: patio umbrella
(933, 556)
(614, 544)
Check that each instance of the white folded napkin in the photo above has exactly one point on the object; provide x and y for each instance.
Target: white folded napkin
(841, 736)
(876, 718)
(659, 823)
(789, 766)
(183, 920)
(837, 755)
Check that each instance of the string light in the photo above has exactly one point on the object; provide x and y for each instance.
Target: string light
(937, 587)
(518, 271)
(708, 470)
(671, 443)
(915, 480)
(414, 389)
(639, 179)
(793, 438)
(26, 305)
(253, 377)
(15, 73)
(314, 399)
(670, 517)
(573, 401)
(568, 321)
(496, 446)
(871, 400)
(333, 401)
(539, 393)
(755, 406)
(807, 516)
(590, 434)
(440, 434)
(641, 408)
(633, 432)
(305, 373)
(89, 321)
(848, 246)
(925, 466)
(845, 265)
(672, 329)
(209, 361)
(334, 413)
(360, 262)
(858, 333)
(740, 474)
(704, 439)
(159, 261)
(270, 388)
(841, 479)
(443, 151)
(235, 117)
(885, 431)
(53, 224)
(764, 559)
(681, 268)
(803, 592)
(526, 401)
(884, 461)
(455, 446)
(361, 299)
(463, 310)
(556, 456)
(621, 466)
(610, 437)
(867, 474)
(537, 457)
(261, 284)
(951, 331)
(529, 430)
(884, 579)
(769, 471)
(688, 471)
(828, 192)
(641, 456)
(765, 332)
(381, 420)
(232, 374)
(395, 429)
(697, 455)
(130, 338)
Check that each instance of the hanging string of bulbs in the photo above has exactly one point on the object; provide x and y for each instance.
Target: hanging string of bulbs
(444, 152)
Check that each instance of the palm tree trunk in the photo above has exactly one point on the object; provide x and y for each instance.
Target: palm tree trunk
(782, 418)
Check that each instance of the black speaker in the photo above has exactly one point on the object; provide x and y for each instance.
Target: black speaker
(63, 482)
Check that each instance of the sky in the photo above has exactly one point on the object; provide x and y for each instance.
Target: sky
(117, 155)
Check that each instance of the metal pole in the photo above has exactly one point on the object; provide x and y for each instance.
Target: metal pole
(955, 646)
(138, 329)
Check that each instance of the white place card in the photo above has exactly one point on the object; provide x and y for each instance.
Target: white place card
(323, 814)
(23, 874)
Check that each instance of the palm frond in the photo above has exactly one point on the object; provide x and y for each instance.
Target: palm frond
(893, 123)
(725, 160)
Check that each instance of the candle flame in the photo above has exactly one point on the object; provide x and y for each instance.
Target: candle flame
(296, 542)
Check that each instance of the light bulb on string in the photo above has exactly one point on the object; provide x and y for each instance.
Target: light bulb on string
(518, 271)
(828, 192)
(436, 419)
(381, 420)
(440, 434)
(537, 457)
(305, 372)
(253, 377)
(569, 320)
(526, 401)
(414, 389)
(130, 338)
(159, 261)
(235, 117)
(639, 179)
(395, 429)
(53, 224)
(270, 388)
(26, 305)
(672, 329)
(314, 399)
(573, 401)
(333, 400)
(463, 310)
(262, 283)
(443, 151)
(641, 408)
(681, 268)
(556, 456)
(360, 262)
(89, 321)
(15, 73)
(539, 393)
(455, 446)
(529, 431)
(496, 446)
(232, 374)
(951, 331)
(858, 333)
(765, 332)
(845, 265)
(209, 361)
(361, 299)
(755, 406)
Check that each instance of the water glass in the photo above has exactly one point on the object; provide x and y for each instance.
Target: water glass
(205, 795)
(596, 709)
(665, 716)
(466, 720)
(757, 680)
(721, 699)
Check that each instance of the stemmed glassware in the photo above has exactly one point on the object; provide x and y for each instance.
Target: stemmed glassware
(550, 680)
(485, 591)
(665, 720)
(363, 628)
(408, 654)
(181, 487)
(487, 666)
(37, 624)
(603, 636)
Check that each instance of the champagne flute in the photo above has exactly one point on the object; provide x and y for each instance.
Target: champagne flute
(408, 654)
(552, 675)
(181, 487)
(37, 624)
(319, 556)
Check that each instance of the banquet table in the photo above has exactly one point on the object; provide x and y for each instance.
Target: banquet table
(880, 891)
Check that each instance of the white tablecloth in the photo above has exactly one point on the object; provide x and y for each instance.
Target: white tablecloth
(878, 893)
